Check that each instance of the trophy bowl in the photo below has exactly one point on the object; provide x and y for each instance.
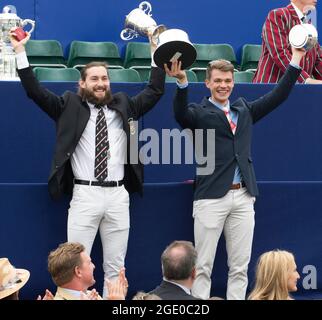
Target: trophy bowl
(303, 36)
(139, 22)
(174, 44)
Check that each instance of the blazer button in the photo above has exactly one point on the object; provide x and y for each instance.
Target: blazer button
(68, 154)
(56, 167)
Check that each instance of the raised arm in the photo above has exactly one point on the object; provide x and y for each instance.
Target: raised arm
(49, 102)
(151, 94)
(267, 103)
(183, 113)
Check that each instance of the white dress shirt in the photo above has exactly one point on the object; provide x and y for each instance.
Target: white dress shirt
(83, 158)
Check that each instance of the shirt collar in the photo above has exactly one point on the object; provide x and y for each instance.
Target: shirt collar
(218, 105)
(74, 293)
(298, 11)
(92, 105)
(185, 289)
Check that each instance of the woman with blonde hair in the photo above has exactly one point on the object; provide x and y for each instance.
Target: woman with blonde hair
(276, 276)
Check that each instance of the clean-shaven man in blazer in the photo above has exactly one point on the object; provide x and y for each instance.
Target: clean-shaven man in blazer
(72, 271)
(224, 199)
(178, 262)
(276, 48)
(92, 158)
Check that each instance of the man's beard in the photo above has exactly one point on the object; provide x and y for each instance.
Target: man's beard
(89, 95)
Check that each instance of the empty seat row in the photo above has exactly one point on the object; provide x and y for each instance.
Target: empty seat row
(119, 75)
(48, 53)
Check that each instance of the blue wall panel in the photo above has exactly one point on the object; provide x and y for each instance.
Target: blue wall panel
(235, 22)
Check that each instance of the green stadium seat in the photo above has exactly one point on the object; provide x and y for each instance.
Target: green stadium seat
(250, 57)
(124, 75)
(45, 53)
(138, 57)
(56, 74)
(82, 53)
(209, 52)
(243, 77)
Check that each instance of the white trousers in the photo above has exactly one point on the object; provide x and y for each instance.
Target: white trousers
(105, 209)
(233, 214)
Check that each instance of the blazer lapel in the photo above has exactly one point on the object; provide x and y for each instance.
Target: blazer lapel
(83, 116)
(295, 17)
(212, 108)
(241, 116)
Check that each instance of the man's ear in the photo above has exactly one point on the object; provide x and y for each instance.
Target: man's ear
(81, 84)
(77, 272)
(207, 82)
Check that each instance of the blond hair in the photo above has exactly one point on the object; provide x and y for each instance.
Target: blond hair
(63, 261)
(272, 273)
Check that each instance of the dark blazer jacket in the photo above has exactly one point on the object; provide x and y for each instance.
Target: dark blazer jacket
(71, 115)
(230, 149)
(169, 291)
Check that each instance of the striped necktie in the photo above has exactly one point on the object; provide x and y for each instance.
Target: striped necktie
(102, 146)
(230, 121)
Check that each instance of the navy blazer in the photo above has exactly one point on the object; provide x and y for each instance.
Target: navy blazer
(71, 115)
(169, 291)
(230, 149)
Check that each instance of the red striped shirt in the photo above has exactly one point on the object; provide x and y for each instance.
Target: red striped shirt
(277, 52)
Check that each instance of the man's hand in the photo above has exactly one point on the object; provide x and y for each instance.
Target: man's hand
(176, 71)
(90, 295)
(313, 81)
(117, 289)
(48, 296)
(297, 55)
(18, 46)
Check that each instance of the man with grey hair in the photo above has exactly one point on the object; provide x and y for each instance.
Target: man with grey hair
(178, 262)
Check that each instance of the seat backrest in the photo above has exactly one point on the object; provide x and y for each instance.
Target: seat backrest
(137, 53)
(190, 75)
(83, 52)
(124, 75)
(250, 56)
(243, 77)
(45, 52)
(57, 74)
(209, 52)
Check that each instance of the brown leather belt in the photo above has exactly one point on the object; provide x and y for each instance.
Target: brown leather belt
(236, 186)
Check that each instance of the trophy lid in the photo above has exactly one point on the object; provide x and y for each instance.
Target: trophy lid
(174, 44)
(9, 12)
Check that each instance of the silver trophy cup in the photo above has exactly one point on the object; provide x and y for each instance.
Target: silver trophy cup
(9, 20)
(303, 36)
(139, 22)
(172, 44)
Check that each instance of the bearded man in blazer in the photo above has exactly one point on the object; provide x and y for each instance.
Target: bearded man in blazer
(100, 199)
(224, 199)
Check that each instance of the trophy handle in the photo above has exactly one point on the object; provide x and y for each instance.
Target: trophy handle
(26, 21)
(128, 34)
(148, 8)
